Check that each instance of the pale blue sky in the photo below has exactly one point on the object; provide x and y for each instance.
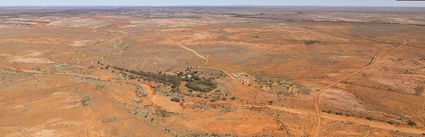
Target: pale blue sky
(209, 2)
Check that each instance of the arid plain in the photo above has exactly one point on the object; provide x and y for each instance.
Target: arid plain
(212, 71)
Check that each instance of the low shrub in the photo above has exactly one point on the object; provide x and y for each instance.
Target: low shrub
(411, 123)
(85, 101)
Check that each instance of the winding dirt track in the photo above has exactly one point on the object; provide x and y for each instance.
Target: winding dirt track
(120, 41)
(206, 61)
(360, 121)
(316, 132)
(195, 53)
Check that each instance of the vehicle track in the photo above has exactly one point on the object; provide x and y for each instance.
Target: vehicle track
(360, 121)
(195, 53)
(206, 61)
(316, 132)
(120, 42)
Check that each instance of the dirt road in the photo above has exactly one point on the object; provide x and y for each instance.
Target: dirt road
(360, 121)
(206, 61)
(162, 101)
(120, 42)
(195, 53)
(316, 132)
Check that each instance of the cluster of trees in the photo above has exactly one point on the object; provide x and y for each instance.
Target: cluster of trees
(194, 81)
(202, 85)
(173, 81)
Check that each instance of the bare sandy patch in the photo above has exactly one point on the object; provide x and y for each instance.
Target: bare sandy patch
(40, 132)
(342, 99)
(82, 43)
(37, 53)
(78, 22)
(4, 55)
(5, 26)
(33, 58)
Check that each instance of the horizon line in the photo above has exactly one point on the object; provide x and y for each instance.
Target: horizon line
(387, 6)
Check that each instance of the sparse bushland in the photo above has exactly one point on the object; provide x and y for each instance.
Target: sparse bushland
(201, 85)
(194, 82)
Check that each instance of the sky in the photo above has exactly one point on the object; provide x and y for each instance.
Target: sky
(378, 3)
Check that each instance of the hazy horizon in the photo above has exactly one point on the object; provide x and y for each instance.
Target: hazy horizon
(358, 3)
